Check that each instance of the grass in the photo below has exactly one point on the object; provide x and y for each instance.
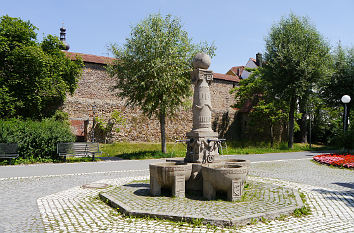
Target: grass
(142, 150)
(35, 160)
(304, 210)
(126, 150)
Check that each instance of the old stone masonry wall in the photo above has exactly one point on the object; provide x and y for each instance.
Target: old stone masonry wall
(95, 88)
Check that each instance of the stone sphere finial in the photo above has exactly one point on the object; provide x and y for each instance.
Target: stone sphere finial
(201, 60)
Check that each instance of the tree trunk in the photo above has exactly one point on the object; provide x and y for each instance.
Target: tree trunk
(291, 121)
(163, 132)
(303, 121)
(271, 136)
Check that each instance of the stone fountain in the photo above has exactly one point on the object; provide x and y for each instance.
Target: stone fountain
(204, 176)
(199, 171)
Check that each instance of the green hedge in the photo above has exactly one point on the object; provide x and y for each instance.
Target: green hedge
(346, 140)
(36, 139)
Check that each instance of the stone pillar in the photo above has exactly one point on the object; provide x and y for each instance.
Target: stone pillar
(202, 146)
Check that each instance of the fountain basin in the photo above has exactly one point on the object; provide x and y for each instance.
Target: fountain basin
(241, 162)
(225, 177)
(169, 175)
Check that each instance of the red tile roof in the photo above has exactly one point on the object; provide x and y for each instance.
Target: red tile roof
(237, 70)
(90, 58)
(227, 77)
(106, 60)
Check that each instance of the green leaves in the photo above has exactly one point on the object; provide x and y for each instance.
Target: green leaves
(267, 111)
(296, 56)
(36, 138)
(35, 76)
(341, 82)
(104, 129)
(152, 67)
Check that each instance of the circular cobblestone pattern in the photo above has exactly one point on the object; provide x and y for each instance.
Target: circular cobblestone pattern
(260, 201)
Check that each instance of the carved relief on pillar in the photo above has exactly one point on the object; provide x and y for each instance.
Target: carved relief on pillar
(202, 150)
(201, 100)
(202, 146)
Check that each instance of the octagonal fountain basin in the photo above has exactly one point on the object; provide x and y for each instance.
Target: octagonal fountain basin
(224, 177)
(169, 175)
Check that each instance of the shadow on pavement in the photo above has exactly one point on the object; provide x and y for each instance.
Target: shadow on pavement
(347, 197)
(347, 185)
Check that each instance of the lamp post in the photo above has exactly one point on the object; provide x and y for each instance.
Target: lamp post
(310, 107)
(345, 99)
(93, 122)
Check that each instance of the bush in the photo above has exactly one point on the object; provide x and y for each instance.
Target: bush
(36, 139)
(346, 140)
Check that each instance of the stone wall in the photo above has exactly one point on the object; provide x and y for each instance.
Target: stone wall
(95, 88)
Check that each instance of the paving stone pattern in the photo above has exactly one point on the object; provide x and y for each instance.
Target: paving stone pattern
(79, 210)
(306, 172)
(260, 200)
(58, 203)
(18, 196)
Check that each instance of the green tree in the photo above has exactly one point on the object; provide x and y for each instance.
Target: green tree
(341, 82)
(296, 58)
(153, 67)
(104, 129)
(34, 77)
(265, 108)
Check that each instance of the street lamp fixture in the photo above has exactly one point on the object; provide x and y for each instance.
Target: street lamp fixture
(345, 99)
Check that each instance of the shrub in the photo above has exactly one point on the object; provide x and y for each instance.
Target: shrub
(36, 139)
(346, 140)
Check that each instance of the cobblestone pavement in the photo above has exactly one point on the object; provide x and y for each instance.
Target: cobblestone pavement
(305, 171)
(18, 196)
(259, 200)
(79, 210)
(57, 203)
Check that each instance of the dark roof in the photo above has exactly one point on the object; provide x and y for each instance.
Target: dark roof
(236, 71)
(227, 77)
(106, 60)
(91, 58)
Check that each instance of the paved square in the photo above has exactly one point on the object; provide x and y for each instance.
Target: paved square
(50, 197)
(260, 200)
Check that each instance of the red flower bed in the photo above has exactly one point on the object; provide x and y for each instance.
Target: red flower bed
(346, 160)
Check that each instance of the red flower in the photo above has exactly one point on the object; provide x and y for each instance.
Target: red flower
(345, 160)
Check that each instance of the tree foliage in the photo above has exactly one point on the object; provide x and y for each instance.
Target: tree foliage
(296, 57)
(341, 82)
(104, 129)
(36, 139)
(34, 77)
(153, 67)
(265, 108)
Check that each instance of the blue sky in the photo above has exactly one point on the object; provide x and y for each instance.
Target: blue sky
(237, 28)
